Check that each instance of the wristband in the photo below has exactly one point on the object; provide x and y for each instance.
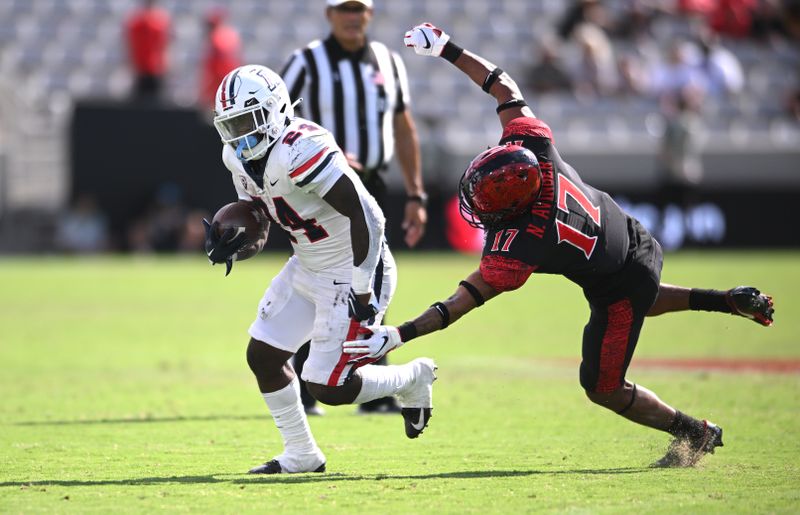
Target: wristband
(422, 198)
(443, 312)
(451, 51)
(514, 102)
(408, 331)
(476, 295)
(491, 78)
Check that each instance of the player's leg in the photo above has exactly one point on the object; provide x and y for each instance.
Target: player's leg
(310, 404)
(603, 378)
(283, 323)
(609, 341)
(377, 188)
(382, 405)
(336, 378)
(744, 301)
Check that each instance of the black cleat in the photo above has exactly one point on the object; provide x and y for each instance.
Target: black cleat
(274, 467)
(748, 302)
(416, 419)
(687, 452)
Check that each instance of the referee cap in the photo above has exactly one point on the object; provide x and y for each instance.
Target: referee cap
(335, 3)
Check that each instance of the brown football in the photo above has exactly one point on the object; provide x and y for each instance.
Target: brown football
(247, 215)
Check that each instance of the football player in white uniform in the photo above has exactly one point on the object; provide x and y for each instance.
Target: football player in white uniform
(341, 274)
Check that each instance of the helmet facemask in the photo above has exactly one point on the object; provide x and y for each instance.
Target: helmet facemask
(252, 110)
(252, 131)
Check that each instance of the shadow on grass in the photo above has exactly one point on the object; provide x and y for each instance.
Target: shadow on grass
(237, 479)
(146, 419)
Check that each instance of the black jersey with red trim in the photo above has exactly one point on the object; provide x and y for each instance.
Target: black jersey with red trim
(572, 229)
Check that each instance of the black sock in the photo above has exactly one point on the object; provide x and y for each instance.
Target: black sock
(684, 426)
(708, 300)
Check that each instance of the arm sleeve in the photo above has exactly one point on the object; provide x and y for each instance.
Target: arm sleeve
(504, 274)
(364, 274)
(527, 126)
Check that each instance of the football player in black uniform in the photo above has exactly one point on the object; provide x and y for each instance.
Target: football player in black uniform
(539, 216)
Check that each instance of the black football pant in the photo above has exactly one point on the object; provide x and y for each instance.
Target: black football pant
(619, 304)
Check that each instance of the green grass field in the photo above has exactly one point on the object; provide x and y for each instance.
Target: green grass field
(124, 389)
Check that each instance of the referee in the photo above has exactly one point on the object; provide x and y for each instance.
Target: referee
(358, 89)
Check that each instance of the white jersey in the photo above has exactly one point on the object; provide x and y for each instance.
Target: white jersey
(302, 166)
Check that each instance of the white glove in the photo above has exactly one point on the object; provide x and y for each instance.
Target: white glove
(426, 39)
(375, 341)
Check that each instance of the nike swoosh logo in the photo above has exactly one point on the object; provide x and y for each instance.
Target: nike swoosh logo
(427, 42)
(273, 183)
(338, 283)
(420, 425)
(385, 340)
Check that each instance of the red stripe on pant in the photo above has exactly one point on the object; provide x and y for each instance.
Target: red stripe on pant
(614, 346)
(333, 380)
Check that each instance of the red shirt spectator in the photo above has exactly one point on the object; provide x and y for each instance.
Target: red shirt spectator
(733, 17)
(696, 6)
(223, 54)
(148, 35)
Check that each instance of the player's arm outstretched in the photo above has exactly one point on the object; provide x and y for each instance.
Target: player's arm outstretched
(378, 340)
(427, 39)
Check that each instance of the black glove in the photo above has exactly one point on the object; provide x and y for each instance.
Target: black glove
(358, 310)
(223, 249)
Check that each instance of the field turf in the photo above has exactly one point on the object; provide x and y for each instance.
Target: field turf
(124, 388)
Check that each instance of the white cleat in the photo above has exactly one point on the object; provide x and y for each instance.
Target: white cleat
(417, 399)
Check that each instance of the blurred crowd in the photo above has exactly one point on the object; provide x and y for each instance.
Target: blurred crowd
(166, 224)
(621, 54)
(596, 51)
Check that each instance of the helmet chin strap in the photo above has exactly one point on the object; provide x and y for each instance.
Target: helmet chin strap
(245, 145)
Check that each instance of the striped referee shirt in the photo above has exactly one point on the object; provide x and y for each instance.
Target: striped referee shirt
(355, 95)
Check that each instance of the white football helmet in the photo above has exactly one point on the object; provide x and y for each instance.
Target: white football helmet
(251, 108)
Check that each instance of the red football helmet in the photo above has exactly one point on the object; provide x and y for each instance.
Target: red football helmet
(499, 185)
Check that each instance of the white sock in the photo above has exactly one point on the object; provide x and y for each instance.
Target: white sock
(287, 411)
(382, 381)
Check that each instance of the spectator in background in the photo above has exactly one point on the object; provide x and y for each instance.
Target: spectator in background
(635, 23)
(193, 236)
(222, 54)
(723, 72)
(793, 100)
(549, 75)
(83, 229)
(358, 89)
(733, 18)
(147, 31)
(791, 19)
(696, 7)
(580, 12)
(679, 161)
(161, 229)
(632, 76)
(676, 73)
(597, 72)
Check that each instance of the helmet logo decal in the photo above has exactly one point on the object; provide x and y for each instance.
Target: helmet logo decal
(231, 91)
(271, 87)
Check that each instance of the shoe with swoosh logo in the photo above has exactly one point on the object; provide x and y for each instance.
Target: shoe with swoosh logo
(417, 399)
(285, 464)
